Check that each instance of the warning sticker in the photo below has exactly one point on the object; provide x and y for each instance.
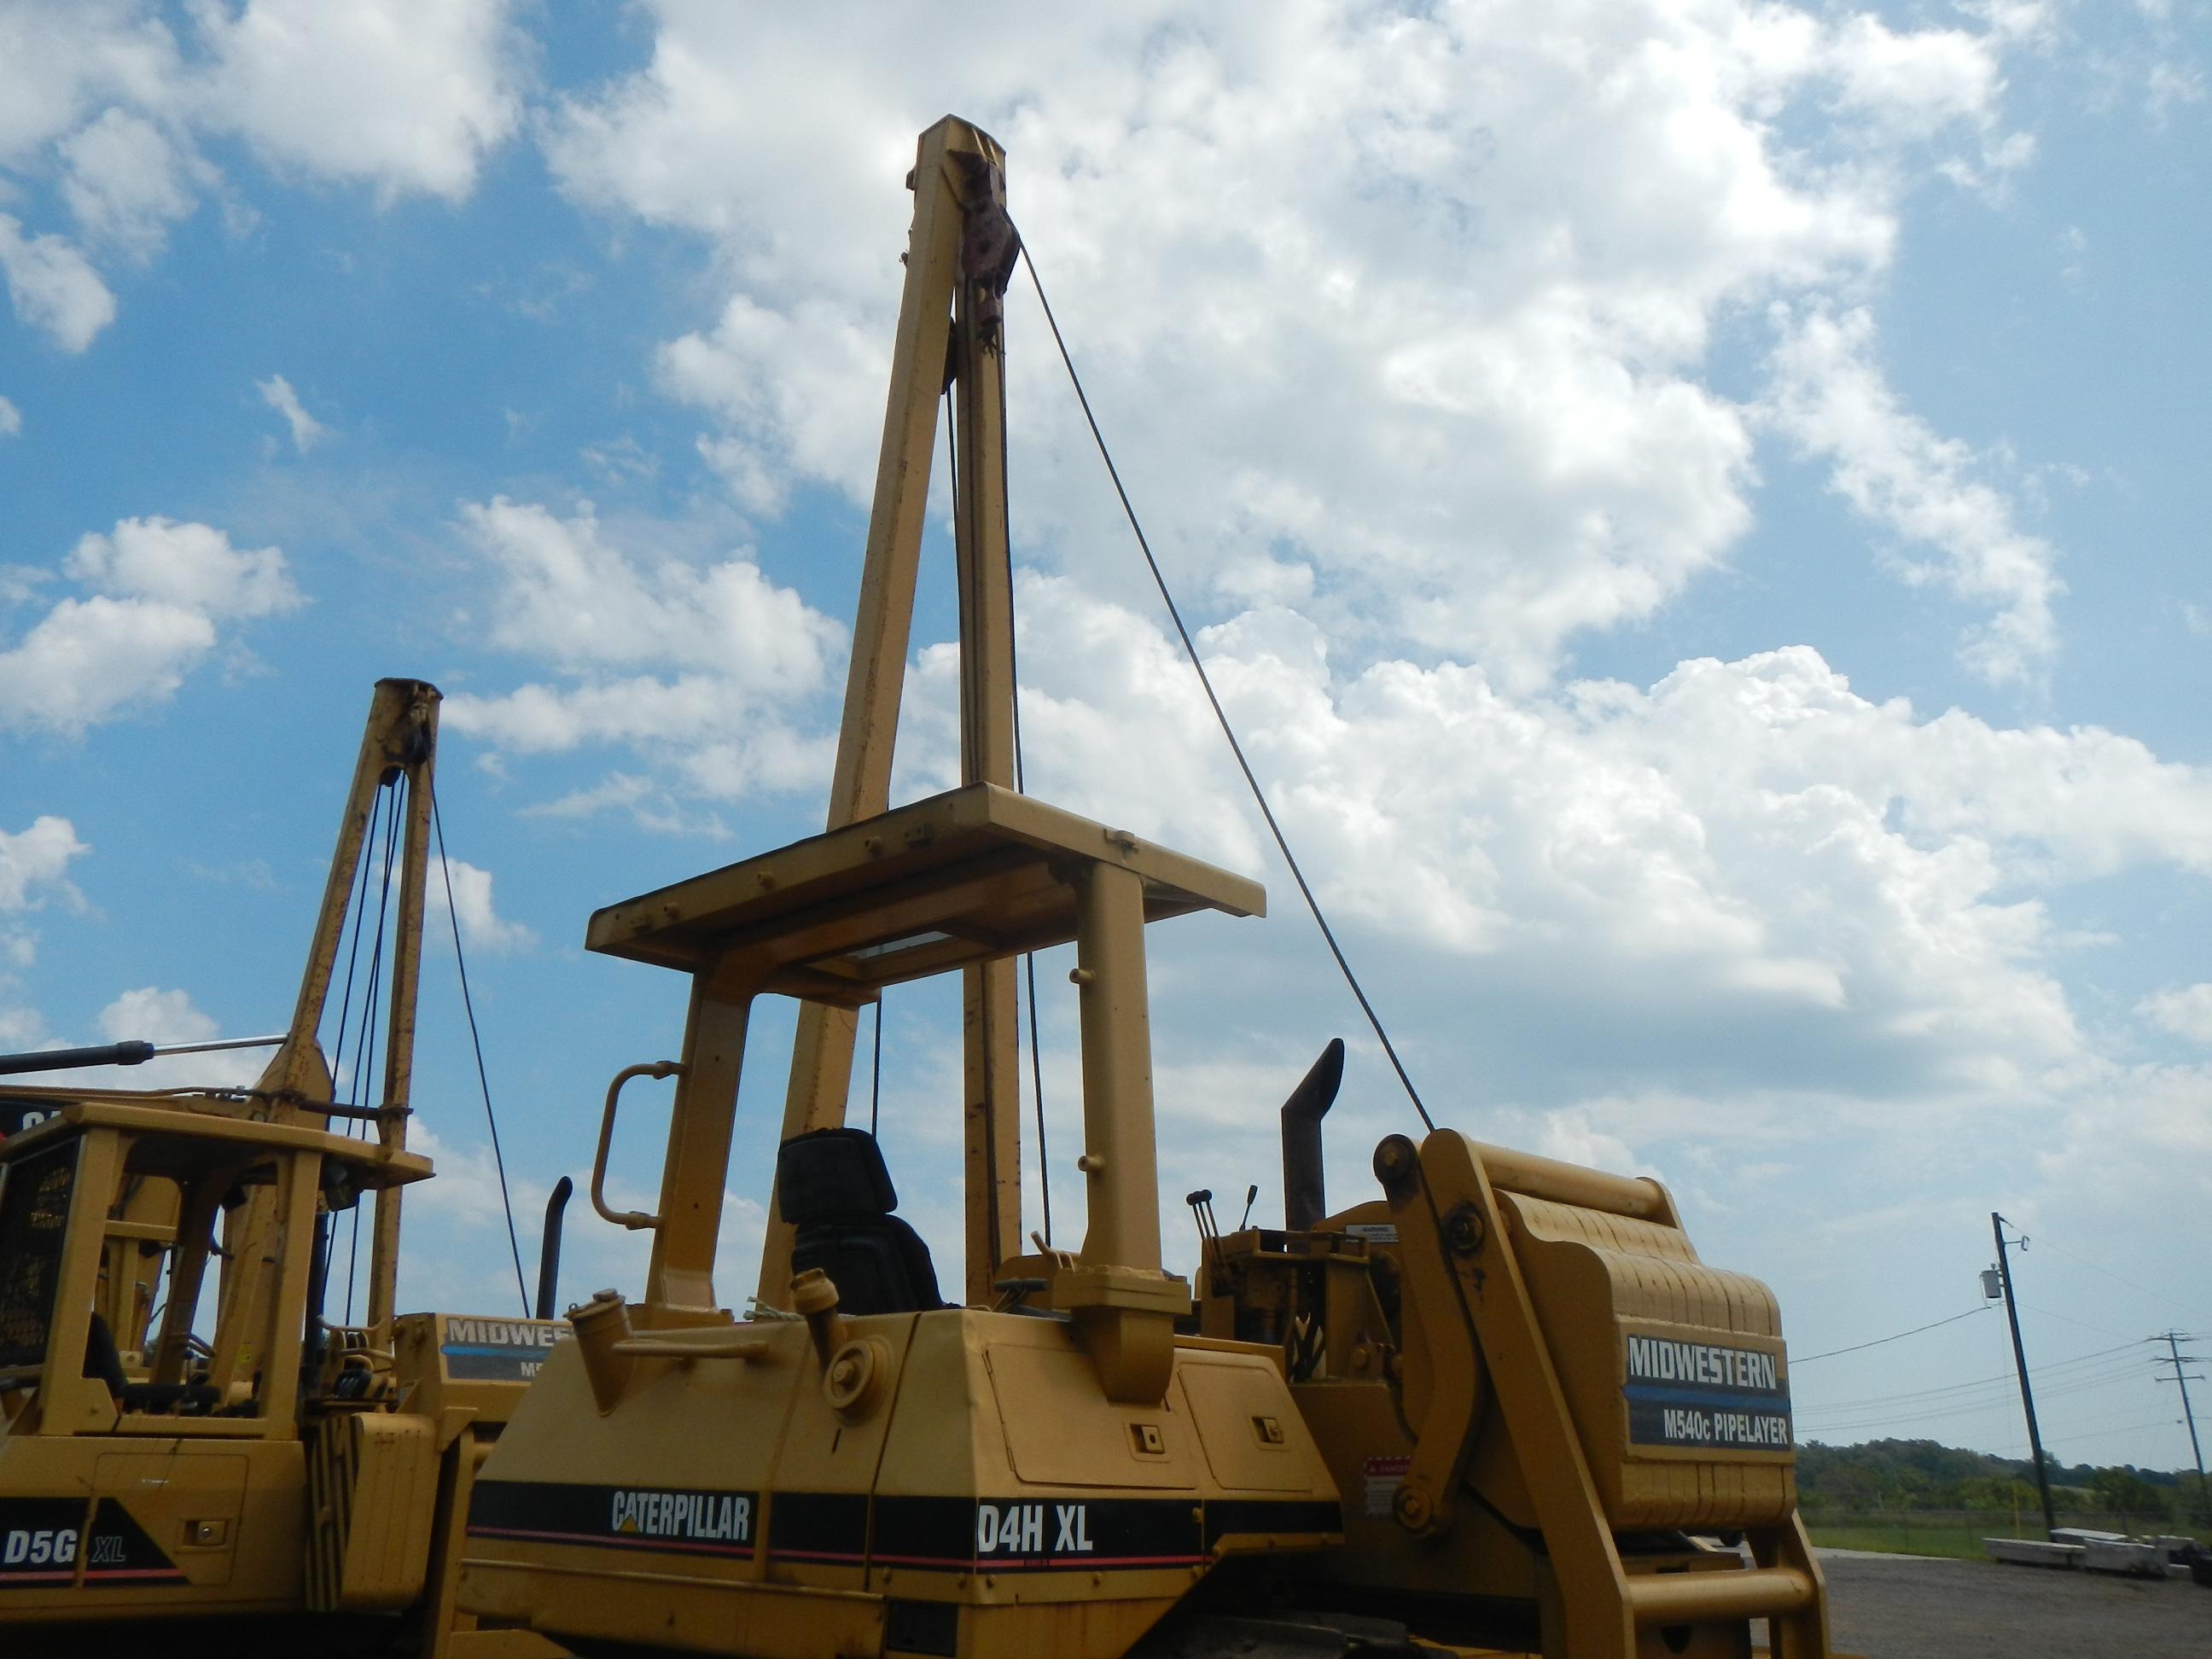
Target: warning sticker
(1384, 1475)
(1375, 1232)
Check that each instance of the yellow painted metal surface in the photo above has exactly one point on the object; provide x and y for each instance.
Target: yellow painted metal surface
(372, 1487)
(146, 1474)
(991, 1488)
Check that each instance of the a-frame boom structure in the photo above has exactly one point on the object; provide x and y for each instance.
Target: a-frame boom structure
(960, 253)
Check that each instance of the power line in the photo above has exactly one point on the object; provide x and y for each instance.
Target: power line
(2106, 1434)
(2068, 1319)
(1877, 1342)
(2117, 1279)
(1946, 1410)
(1959, 1395)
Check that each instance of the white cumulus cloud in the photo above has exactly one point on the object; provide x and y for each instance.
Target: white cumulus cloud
(1747, 871)
(158, 592)
(482, 928)
(1832, 396)
(306, 431)
(114, 102)
(407, 95)
(1410, 314)
(11, 419)
(2186, 1010)
(53, 286)
(33, 862)
(697, 663)
(126, 181)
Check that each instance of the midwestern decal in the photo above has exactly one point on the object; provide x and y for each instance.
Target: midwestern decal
(118, 1551)
(1703, 1395)
(39, 1540)
(498, 1350)
(675, 1520)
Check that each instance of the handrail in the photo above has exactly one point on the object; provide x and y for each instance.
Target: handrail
(633, 1219)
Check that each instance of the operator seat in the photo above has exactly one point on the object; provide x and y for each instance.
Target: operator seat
(835, 1191)
(104, 1361)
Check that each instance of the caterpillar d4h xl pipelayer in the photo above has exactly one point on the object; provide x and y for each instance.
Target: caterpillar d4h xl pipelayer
(1493, 1408)
(291, 1485)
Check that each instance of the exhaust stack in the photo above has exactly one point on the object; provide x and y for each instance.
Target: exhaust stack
(549, 1247)
(1304, 1198)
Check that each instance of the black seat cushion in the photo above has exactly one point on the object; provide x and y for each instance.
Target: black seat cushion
(835, 1192)
(833, 1172)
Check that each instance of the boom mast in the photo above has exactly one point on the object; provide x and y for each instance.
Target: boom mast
(960, 253)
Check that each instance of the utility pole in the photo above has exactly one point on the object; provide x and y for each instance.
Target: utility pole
(2181, 1379)
(2020, 1360)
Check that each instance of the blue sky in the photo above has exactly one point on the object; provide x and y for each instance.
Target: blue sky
(1689, 505)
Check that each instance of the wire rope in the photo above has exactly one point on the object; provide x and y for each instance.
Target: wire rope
(1190, 650)
(476, 1042)
(365, 1047)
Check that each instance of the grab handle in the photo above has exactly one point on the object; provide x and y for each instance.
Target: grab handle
(633, 1219)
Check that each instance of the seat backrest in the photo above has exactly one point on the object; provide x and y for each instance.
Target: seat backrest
(101, 1358)
(835, 1191)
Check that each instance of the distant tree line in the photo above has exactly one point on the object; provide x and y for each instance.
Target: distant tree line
(1878, 1476)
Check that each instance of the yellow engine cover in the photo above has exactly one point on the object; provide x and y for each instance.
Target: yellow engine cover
(1674, 1371)
(977, 1492)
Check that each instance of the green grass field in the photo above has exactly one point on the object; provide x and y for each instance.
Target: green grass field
(1959, 1536)
(1951, 1541)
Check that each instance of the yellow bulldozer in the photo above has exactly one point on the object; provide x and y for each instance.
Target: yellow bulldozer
(1502, 1406)
(289, 1484)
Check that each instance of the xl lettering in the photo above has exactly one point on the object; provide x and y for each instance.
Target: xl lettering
(1074, 1529)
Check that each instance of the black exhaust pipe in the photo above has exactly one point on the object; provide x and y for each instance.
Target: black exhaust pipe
(549, 1249)
(1304, 1198)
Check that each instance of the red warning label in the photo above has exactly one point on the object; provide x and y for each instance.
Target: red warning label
(1384, 1475)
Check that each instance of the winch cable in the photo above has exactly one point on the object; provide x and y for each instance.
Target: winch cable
(875, 1071)
(360, 915)
(1190, 650)
(345, 1001)
(365, 1047)
(475, 1042)
(1013, 692)
(1029, 958)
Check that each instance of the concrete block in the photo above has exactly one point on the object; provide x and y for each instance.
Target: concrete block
(2124, 1556)
(2032, 1552)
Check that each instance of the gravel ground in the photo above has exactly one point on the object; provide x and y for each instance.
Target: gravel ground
(1914, 1606)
